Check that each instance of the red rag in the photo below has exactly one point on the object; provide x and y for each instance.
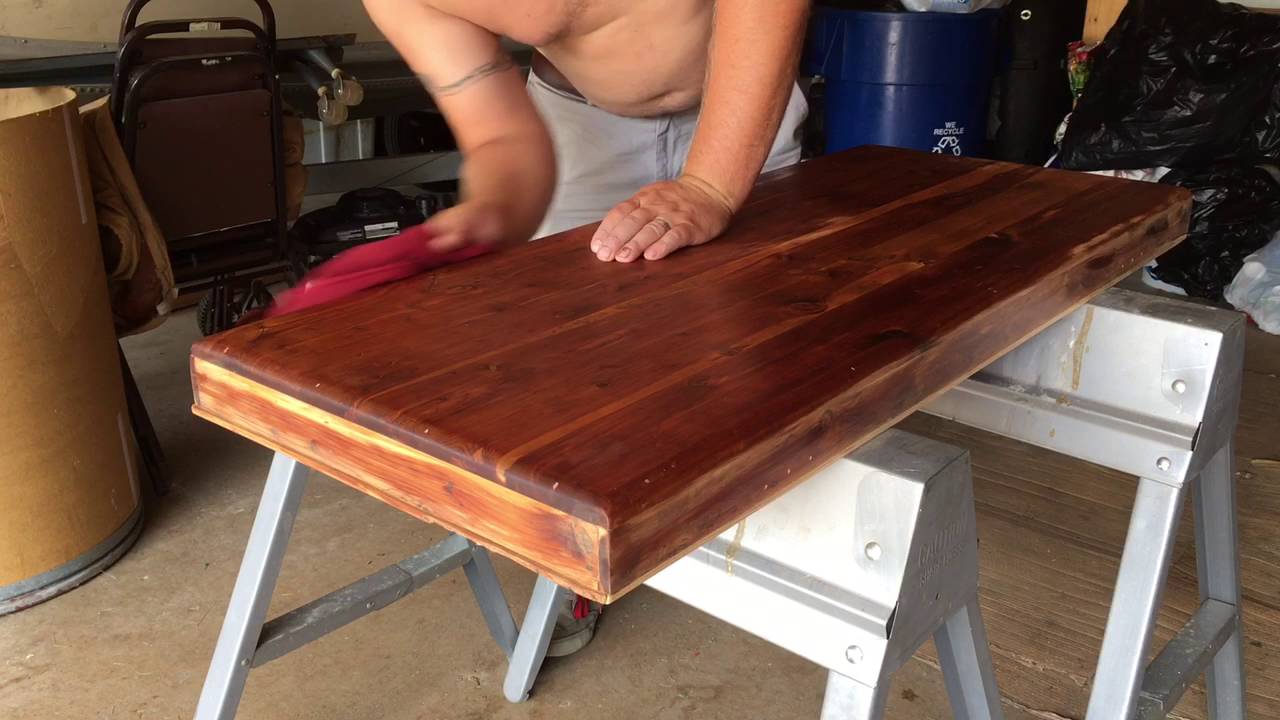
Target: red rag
(366, 266)
(581, 608)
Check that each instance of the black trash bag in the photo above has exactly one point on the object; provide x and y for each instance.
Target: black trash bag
(1179, 83)
(1236, 211)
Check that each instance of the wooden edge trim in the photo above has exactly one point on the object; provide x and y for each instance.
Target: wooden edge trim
(548, 541)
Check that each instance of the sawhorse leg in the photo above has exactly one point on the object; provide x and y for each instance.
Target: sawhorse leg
(1218, 568)
(848, 699)
(1144, 566)
(966, 664)
(967, 669)
(238, 641)
(1211, 641)
(248, 640)
(535, 637)
(493, 604)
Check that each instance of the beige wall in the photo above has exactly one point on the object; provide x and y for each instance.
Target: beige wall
(99, 20)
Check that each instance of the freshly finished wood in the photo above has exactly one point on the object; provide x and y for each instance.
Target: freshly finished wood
(596, 421)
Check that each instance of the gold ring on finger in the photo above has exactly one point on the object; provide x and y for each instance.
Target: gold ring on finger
(663, 226)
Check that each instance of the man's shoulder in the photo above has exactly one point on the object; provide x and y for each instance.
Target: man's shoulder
(531, 22)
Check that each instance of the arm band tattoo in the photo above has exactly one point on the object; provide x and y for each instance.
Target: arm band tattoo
(490, 68)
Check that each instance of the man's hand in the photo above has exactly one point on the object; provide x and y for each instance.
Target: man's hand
(661, 219)
(467, 224)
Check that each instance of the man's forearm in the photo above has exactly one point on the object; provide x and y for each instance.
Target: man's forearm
(515, 174)
(508, 168)
(755, 48)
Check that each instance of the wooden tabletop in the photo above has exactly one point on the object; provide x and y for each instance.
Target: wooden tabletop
(596, 421)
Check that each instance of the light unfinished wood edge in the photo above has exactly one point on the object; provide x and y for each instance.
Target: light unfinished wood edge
(546, 540)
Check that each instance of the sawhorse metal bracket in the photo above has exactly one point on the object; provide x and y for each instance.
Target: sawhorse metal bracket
(1148, 386)
(247, 641)
(853, 569)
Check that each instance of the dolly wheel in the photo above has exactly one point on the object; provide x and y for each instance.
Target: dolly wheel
(206, 315)
(222, 308)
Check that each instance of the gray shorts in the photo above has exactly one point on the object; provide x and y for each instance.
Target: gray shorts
(603, 159)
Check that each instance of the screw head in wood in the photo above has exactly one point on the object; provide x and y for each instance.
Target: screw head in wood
(1164, 463)
(1179, 386)
(853, 654)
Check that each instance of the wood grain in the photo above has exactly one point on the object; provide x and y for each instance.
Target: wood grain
(403, 477)
(660, 402)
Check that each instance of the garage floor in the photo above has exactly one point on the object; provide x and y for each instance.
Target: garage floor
(134, 642)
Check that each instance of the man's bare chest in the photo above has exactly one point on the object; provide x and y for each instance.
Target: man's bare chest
(534, 22)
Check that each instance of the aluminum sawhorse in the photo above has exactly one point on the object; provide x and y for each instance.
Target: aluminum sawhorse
(247, 640)
(1144, 385)
(858, 603)
(1148, 386)
(853, 569)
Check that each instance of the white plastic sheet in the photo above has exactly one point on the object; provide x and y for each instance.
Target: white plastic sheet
(1256, 288)
(952, 6)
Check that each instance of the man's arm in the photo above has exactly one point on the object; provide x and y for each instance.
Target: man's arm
(755, 48)
(508, 170)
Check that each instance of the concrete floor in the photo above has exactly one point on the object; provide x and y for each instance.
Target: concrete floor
(134, 643)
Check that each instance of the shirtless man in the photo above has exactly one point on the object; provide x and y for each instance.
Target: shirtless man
(655, 115)
(631, 89)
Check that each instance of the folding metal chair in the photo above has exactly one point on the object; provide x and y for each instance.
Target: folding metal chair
(199, 115)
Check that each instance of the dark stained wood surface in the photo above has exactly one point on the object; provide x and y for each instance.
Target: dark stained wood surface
(595, 421)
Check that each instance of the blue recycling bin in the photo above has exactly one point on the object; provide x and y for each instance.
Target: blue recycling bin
(905, 79)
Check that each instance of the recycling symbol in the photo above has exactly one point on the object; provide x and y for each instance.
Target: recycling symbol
(948, 144)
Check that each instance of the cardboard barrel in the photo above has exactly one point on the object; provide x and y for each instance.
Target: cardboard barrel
(69, 503)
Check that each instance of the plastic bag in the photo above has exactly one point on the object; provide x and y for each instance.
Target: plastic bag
(1256, 289)
(870, 5)
(1079, 61)
(952, 6)
(1141, 174)
(1179, 83)
(1237, 211)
